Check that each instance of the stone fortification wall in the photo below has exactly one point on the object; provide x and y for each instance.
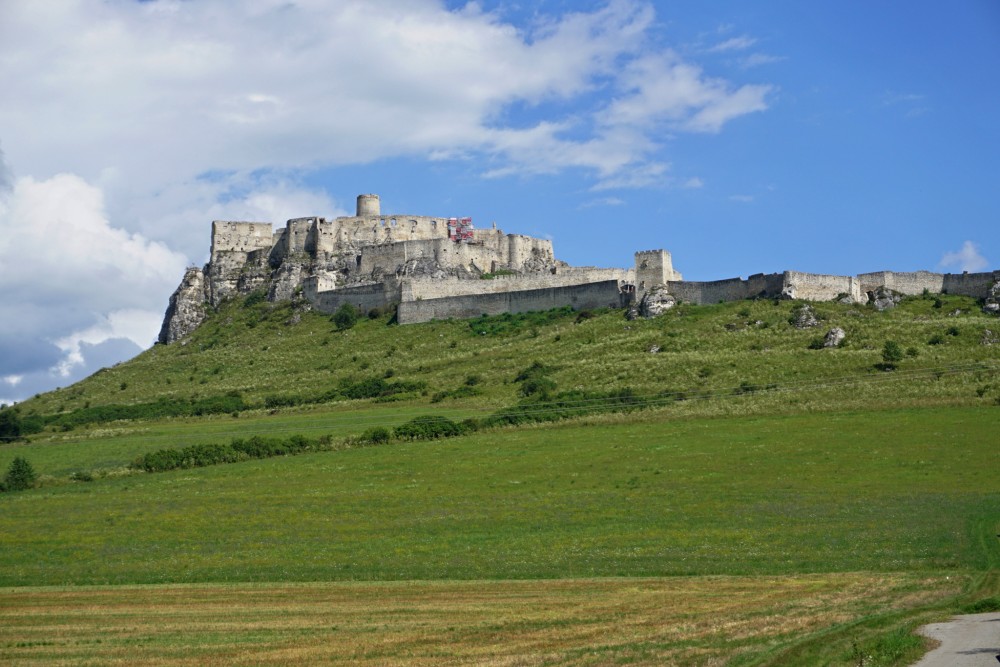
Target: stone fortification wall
(823, 287)
(594, 295)
(347, 233)
(967, 284)
(233, 236)
(491, 252)
(976, 285)
(362, 297)
(732, 289)
(820, 287)
(433, 288)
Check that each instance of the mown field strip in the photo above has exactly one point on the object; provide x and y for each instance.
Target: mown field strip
(681, 621)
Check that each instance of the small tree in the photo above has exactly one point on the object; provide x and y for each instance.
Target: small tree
(892, 354)
(20, 475)
(345, 317)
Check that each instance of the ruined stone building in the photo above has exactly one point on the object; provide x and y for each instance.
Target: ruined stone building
(434, 268)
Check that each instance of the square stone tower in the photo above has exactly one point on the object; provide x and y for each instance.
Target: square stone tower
(653, 267)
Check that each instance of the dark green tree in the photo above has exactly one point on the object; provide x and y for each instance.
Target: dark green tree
(345, 317)
(20, 475)
(892, 354)
(10, 425)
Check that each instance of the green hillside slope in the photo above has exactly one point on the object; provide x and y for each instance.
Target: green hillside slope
(743, 449)
(273, 351)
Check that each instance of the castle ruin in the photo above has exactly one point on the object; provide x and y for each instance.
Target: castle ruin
(439, 268)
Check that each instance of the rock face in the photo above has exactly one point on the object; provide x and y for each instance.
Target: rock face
(884, 299)
(804, 317)
(834, 337)
(187, 307)
(656, 301)
(992, 305)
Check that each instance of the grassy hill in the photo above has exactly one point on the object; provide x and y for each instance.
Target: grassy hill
(768, 478)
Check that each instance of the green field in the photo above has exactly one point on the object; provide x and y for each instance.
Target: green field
(774, 487)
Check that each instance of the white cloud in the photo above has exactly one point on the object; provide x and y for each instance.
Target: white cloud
(139, 326)
(966, 259)
(63, 266)
(12, 380)
(693, 183)
(733, 44)
(140, 98)
(664, 90)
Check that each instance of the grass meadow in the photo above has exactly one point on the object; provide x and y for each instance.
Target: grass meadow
(799, 506)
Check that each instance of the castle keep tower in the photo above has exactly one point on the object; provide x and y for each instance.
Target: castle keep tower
(369, 206)
(653, 267)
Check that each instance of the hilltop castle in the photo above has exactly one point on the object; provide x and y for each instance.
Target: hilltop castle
(438, 268)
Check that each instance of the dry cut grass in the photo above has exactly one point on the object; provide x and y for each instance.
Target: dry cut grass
(665, 621)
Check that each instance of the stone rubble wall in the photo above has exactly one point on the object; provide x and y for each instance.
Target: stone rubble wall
(732, 289)
(234, 236)
(362, 297)
(580, 297)
(820, 287)
(824, 287)
(431, 288)
(965, 284)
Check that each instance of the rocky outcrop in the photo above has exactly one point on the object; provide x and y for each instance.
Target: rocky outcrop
(656, 301)
(804, 317)
(884, 298)
(992, 305)
(187, 307)
(834, 337)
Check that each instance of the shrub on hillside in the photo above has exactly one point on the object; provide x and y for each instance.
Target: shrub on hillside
(255, 297)
(345, 317)
(10, 425)
(378, 435)
(20, 475)
(535, 381)
(892, 354)
(428, 427)
(196, 456)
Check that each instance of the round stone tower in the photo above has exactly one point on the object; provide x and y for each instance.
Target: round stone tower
(368, 206)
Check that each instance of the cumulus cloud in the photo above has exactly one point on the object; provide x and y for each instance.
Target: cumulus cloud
(663, 90)
(141, 98)
(62, 265)
(965, 259)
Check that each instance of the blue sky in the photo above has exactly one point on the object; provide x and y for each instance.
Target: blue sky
(831, 137)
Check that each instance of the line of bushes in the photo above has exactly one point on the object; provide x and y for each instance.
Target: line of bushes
(256, 447)
(164, 407)
(428, 427)
(15, 425)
